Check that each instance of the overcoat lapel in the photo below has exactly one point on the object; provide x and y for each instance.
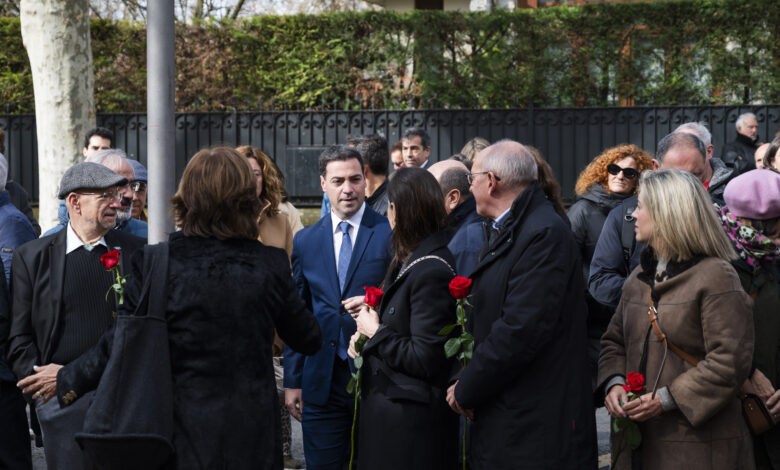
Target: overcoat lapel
(57, 280)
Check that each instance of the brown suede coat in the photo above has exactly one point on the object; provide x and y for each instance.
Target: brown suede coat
(705, 312)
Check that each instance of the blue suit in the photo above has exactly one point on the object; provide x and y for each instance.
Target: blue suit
(327, 413)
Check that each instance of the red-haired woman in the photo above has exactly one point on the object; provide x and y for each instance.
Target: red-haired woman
(603, 185)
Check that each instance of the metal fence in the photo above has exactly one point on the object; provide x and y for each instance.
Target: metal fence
(568, 138)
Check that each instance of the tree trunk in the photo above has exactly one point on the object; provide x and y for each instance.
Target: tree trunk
(56, 36)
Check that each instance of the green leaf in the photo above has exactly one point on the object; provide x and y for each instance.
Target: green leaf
(358, 362)
(633, 435)
(469, 350)
(351, 385)
(460, 313)
(447, 329)
(451, 347)
(616, 425)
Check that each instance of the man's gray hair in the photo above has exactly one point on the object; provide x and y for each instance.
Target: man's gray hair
(3, 172)
(511, 162)
(679, 139)
(698, 128)
(108, 157)
(742, 117)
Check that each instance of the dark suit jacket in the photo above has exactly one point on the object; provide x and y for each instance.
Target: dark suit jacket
(314, 267)
(37, 277)
(528, 381)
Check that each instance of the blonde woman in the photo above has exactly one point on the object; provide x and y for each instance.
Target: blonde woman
(689, 416)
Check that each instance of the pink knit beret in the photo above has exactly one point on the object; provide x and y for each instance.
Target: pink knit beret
(754, 195)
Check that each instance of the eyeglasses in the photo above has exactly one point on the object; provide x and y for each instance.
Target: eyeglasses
(138, 186)
(111, 195)
(614, 169)
(470, 176)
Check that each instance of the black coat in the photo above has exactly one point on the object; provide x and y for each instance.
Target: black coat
(740, 153)
(587, 216)
(224, 300)
(405, 422)
(528, 381)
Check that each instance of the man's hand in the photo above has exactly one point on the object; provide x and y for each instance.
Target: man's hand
(43, 383)
(293, 399)
(643, 408)
(454, 403)
(352, 305)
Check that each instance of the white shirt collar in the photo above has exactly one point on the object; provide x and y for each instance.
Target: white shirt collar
(354, 221)
(72, 241)
(500, 219)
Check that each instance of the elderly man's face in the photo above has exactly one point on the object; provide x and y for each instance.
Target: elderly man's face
(126, 205)
(139, 198)
(749, 128)
(96, 209)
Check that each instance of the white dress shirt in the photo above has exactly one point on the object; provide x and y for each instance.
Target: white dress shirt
(72, 241)
(354, 223)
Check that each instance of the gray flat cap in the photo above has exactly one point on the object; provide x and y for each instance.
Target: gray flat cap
(87, 175)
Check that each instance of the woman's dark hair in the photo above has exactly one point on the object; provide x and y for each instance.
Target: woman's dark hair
(217, 196)
(547, 181)
(419, 209)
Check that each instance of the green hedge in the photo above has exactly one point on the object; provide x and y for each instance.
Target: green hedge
(658, 53)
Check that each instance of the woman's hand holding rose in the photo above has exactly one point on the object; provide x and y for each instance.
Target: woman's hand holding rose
(367, 321)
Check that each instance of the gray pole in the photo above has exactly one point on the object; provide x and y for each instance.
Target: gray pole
(161, 137)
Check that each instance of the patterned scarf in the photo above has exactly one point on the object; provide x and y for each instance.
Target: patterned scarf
(751, 245)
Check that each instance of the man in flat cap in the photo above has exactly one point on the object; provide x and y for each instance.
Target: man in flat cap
(60, 308)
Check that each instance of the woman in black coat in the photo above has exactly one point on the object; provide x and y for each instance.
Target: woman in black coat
(405, 422)
(226, 292)
(608, 180)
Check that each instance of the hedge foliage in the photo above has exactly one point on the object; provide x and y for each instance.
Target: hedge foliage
(657, 53)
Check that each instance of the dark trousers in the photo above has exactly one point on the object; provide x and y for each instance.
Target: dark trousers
(14, 435)
(326, 429)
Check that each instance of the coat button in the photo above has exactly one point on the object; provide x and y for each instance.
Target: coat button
(333, 343)
(391, 311)
(492, 253)
(509, 240)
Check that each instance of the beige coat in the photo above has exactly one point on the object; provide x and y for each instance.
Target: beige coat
(704, 311)
(278, 231)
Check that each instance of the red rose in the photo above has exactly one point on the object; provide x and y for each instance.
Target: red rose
(635, 382)
(110, 259)
(460, 286)
(373, 296)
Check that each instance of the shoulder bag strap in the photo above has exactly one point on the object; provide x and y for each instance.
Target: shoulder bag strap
(423, 258)
(653, 314)
(153, 294)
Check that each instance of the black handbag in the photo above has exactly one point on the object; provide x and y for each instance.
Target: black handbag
(129, 424)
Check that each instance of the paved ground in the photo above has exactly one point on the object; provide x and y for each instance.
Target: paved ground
(602, 425)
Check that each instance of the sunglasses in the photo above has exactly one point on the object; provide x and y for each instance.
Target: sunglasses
(614, 169)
